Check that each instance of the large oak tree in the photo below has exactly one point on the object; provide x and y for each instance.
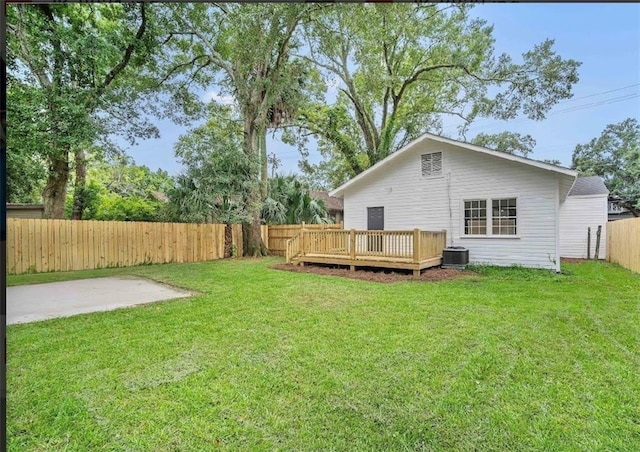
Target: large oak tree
(401, 68)
(69, 72)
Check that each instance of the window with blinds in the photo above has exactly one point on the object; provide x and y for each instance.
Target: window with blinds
(432, 164)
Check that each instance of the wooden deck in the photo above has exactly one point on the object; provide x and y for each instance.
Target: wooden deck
(411, 250)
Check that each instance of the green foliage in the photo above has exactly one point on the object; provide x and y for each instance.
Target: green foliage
(91, 196)
(70, 71)
(509, 142)
(289, 202)
(129, 208)
(401, 68)
(217, 173)
(614, 156)
(120, 190)
(244, 50)
(122, 176)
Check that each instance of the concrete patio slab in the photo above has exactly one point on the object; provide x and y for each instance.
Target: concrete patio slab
(36, 302)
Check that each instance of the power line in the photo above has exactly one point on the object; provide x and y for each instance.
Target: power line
(566, 110)
(597, 104)
(597, 94)
(499, 123)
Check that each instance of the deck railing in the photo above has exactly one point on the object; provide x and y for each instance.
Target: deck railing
(415, 245)
(293, 248)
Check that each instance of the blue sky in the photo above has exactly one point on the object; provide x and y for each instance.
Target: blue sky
(604, 37)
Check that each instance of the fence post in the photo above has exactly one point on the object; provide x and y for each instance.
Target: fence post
(416, 246)
(589, 242)
(597, 253)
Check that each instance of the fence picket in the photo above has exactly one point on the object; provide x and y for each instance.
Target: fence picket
(623, 243)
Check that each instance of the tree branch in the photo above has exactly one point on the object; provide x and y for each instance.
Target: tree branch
(174, 69)
(113, 73)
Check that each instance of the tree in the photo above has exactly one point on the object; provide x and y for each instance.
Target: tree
(614, 156)
(509, 142)
(72, 61)
(289, 202)
(26, 168)
(120, 190)
(217, 174)
(400, 68)
(244, 50)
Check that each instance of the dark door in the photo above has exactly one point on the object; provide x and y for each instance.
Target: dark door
(375, 222)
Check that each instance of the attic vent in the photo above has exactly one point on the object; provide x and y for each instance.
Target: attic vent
(432, 164)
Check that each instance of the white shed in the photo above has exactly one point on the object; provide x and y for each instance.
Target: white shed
(585, 207)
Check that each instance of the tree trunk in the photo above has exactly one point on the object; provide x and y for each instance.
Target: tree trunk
(255, 247)
(55, 191)
(253, 240)
(228, 240)
(264, 177)
(79, 195)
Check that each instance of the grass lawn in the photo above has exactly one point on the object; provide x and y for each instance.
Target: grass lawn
(263, 359)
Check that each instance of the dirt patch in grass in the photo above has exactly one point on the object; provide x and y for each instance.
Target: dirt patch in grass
(378, 274)
(572, 260)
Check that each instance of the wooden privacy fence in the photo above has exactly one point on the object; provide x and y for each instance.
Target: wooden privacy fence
(279, 234)
(35, 245)
(623, 243)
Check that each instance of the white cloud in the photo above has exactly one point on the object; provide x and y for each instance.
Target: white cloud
(222, 99)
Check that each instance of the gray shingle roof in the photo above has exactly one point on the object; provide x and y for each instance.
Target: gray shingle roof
(591, 185)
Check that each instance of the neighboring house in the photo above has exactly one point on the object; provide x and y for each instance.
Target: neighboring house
(334, 204)
(616, 210)
(585, 207)
(25, 210)
(503, 208)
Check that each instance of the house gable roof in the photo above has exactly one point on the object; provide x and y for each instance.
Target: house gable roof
(588, 186)
(567, 181)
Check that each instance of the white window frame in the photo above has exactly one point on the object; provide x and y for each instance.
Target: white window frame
(431, 176)
(507, 217)
(486, 217)
(489, 203)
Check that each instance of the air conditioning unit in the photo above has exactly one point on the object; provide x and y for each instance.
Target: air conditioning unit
(455, 257)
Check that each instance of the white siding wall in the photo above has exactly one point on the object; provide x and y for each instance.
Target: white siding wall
(412, 201)
(577, 214)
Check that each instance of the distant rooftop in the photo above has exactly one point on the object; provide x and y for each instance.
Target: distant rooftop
(332, 202)
(591, 185)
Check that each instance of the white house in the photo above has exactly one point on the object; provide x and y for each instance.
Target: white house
(503, 208)
(586, 207)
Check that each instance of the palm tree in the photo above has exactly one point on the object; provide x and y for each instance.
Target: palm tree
(289, 202)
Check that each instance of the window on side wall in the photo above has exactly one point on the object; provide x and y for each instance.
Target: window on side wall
(475, 217)
(503, 213)
(500, 220)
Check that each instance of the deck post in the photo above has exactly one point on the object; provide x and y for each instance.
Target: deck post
(416, 252)
(416, 246)
(352, 249)
(303, 251)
